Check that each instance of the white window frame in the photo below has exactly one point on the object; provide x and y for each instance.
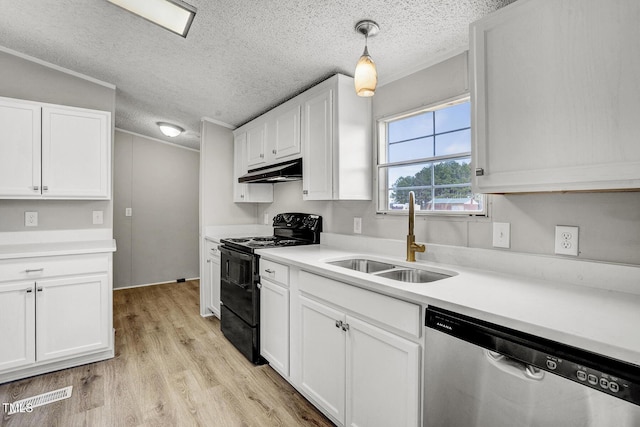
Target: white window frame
(381, 141)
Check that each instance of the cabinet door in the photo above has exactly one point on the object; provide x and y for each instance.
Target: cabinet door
(72, 316)
(17, 322)
(555, 96)
(76, 153)
(285, 137)
(247, 193)
(213, 267)
(383, 377)
(19, 149)
(322, 356)
(317, 141)
(274, 325)
(256, 143)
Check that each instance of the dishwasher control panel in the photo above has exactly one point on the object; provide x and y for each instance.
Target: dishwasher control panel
(602, 373)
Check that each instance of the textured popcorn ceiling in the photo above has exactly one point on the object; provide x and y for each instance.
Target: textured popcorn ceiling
(240, 58)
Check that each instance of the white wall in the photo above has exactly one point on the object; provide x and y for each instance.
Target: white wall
(159, 181)
(25, 79)
(609, 222)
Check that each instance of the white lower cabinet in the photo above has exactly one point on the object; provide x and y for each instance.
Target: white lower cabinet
(55, 312)
(274, 315)
(274, 325)
(358, 373)
(17, 317)
(71, 316)
(211, 282)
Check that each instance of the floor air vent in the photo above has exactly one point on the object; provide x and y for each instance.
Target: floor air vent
(27, 405)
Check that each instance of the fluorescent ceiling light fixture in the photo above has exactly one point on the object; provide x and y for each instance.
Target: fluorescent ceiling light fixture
(170, 130)
(174, 15)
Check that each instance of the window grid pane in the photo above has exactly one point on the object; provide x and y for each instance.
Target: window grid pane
(439, 185)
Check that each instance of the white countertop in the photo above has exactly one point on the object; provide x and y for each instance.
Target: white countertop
(28, 244)
(604, 321)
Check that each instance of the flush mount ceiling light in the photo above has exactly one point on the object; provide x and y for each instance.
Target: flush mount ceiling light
(366, 76)
(174, 15)
(170, 130)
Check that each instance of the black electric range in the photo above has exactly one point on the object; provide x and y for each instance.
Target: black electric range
(239, 277)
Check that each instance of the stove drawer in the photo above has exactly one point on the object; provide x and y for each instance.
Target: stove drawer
(274, 271)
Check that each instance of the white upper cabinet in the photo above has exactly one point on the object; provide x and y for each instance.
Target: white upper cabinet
(256, 144)
(76, 147)
(336, 142)
(54, 152)
(284, 137)
(253, 193)
(19, 149)
(556, 96)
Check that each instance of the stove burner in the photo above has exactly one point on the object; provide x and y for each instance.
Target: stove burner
(238, 240)
(288, 242)
(264, 239)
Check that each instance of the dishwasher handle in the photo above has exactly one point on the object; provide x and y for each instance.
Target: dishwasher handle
(514, 367)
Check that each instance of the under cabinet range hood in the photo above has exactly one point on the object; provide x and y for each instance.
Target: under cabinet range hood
(286, 171)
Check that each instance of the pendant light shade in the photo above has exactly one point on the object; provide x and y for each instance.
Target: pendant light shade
(366, 76)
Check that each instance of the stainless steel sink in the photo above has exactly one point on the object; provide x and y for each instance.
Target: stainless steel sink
(363, 265)
(390, 271)
(412, 275)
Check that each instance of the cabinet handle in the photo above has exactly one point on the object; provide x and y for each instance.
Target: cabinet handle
(345, 326)
(29, 290)
(36, 188)
(305, 192)
(208, 261)
(262, 155)
(39, 288)
(45, 188)
(338, 323)
(33, 270)
(242, 196)
(479, 172)
(274, 151)
(268, 270)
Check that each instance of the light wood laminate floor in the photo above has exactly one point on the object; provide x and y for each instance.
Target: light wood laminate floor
(172, 368)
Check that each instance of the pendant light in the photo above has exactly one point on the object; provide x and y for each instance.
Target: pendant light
(366, 76)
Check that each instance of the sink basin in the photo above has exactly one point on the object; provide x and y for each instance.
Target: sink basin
(411, 275)
(363, 265)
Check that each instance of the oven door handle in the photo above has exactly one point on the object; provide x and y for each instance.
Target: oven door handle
(236, 254)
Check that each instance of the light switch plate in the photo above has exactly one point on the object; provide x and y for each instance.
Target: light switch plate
(31, 219)
(357, 225)
(98, 218)
(501, 235)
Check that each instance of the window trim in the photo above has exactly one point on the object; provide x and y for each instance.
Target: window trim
(381, 132)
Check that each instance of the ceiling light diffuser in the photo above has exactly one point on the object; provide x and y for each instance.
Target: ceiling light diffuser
(366, 77)
(174, 15)
(170, 130)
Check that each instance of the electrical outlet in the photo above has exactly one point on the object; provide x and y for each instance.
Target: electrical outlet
(357, 225)
(566, 242)
(501, 235)
(31, 219)
(265, 219)
(98, 218)
(128, 212)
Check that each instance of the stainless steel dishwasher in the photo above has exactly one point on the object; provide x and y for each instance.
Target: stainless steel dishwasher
(478, 374)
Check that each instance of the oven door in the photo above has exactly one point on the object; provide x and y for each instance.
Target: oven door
(238, 279)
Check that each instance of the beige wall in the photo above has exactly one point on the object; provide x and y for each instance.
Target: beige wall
(609, 222)
(24, 79)
(159, 181)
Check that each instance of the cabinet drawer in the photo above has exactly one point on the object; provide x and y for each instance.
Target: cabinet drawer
(35, 268)
(274, 271)
(212, 249)
(397, 314)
